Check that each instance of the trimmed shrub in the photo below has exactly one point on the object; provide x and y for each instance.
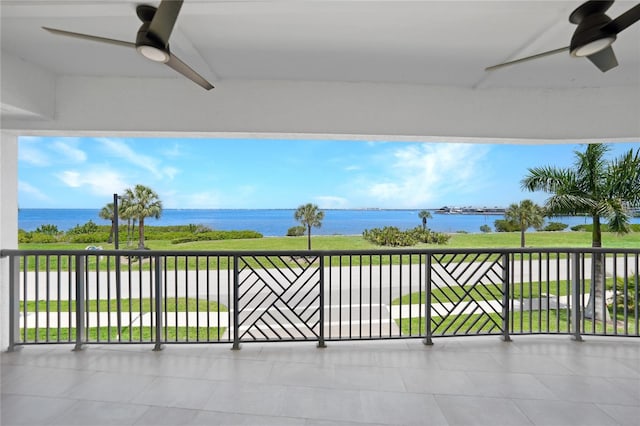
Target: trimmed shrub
(503, 225)
(394, 237)
(485, 228)
(24, 236)
(40, 238)
(217, 235)
(295, 231)
(96, 237)
(48, 229)
(635, 227)
(555, 226)
(88, 228)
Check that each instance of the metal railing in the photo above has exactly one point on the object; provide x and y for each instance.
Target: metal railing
(161, 297)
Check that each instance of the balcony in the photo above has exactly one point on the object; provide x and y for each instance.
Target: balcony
(406, 332)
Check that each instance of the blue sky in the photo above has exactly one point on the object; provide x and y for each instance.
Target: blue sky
(77, 172)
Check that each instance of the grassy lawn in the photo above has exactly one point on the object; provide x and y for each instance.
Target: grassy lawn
(332, 242)
(135, 305)
(551, 321)
(133, 334)
(344, 242)
(145, 334)
(494, 292)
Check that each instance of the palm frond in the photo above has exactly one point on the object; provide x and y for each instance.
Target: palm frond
(569, 204)
(624, 178)
(547, 179)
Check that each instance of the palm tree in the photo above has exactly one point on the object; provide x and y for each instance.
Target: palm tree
(310, 216)
(527, 214)
(107, 214)
(598, 188)
(124, 213)
(142, 202)
(424, 215)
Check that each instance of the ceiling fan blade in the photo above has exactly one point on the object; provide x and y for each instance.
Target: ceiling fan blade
(164, 20)
(188, 72)
(528, 58)
(623, 21)
(90, 37)
(604, 59)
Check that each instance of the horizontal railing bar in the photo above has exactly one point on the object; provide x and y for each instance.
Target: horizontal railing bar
(373, 252)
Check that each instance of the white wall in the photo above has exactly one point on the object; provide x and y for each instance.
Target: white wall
(8, 222)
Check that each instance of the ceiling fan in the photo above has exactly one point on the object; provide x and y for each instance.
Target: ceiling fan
(593, 36)
(152, 40)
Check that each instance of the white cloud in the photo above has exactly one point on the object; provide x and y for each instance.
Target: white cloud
(31, 190)
(120, 149)
(352, 168)
(29, 153)
(69, 151)
(423, 174)
(101, 182)
(170, 172)
(331, 202)
(46, 152)
(173, 152)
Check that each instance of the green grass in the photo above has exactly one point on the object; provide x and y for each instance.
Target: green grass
(551, 321)
(332, 242)
(136, 305)
(133, 334)
(345, 242)
(494, 292)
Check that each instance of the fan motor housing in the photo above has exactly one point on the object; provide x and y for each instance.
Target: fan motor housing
(590, 30)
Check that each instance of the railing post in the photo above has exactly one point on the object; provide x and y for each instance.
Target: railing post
(119, 296)
(321, 343)
(505, 298)
(427, 301)
(576, 317)
(158, 300)
(236, 314)
(80, 302)
(14, 302)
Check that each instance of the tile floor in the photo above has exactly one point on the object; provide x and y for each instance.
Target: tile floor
(457, 381)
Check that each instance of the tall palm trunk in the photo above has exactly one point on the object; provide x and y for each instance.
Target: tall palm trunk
(308, 237)
(141, 233)
(596, 306)
(522, 240)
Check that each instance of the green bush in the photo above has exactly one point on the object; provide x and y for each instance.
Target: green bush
(555, 226)
(24, 236)
(40, 238)
(485, 228)
(394, 237)
(503, 225)
(635, 227)
(48, 229)
(295, 231)
(197, 229)
(217, 235)
(389, 236)
(96, 237)
(88, 228)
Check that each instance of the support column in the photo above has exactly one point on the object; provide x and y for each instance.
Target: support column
(8, 223)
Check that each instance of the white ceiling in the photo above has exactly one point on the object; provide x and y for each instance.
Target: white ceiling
(424, 42)
(398, 44)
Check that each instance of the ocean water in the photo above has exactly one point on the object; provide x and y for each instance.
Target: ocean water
(276, 222)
